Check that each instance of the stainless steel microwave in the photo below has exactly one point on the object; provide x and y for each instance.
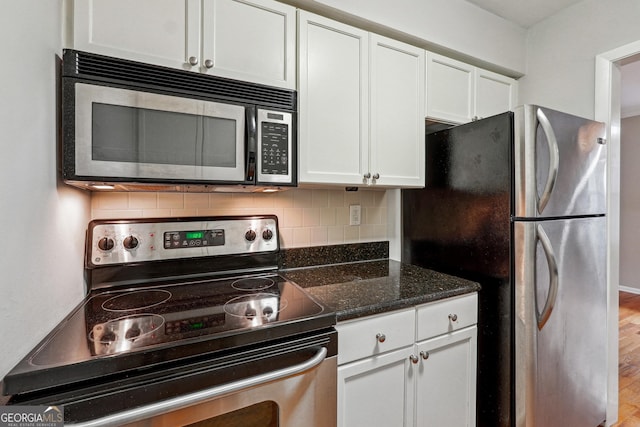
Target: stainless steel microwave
(135, 127)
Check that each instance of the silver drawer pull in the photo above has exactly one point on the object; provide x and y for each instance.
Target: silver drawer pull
(381, 337)
(453, 317)
(414, 359)
(424, 354)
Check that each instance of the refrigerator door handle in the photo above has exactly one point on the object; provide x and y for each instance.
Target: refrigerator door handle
(543, 316)
(554, 159)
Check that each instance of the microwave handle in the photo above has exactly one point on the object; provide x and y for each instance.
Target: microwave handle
(252, 142)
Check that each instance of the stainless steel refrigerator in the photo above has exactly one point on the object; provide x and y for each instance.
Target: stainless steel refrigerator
(517, 202)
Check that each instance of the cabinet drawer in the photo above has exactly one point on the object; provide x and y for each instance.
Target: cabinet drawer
(374, 335)
(448, 315)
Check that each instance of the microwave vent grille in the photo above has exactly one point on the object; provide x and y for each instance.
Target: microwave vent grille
(130, 73)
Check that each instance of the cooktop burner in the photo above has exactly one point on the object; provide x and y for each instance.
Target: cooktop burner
(257, 308)
(252, 284)
(152, 304)
(136, 300)
(119, 335)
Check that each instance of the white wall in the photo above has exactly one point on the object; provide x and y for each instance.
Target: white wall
(561, 52)
(42, 225)
(630, 202)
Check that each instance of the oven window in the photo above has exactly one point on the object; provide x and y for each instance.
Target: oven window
(142, 135)
(263, 414)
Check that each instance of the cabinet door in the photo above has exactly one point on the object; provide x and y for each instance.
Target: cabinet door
(446, 383)
(333, 101)
(450, 89)
(250, 40)
(397, 129)
(495, 93)
(161, 32)
(377, 391)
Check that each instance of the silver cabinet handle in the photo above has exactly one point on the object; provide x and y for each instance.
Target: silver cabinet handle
(424, 355)
(376, 175)
(414, 359)
(208, 63)
(381, 337)
(193, 60)
(367, 175)
(554, 159)
(453, 317)
(553, 278)
(164, 406)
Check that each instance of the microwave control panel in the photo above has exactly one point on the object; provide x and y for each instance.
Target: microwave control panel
(275, 148)
(275, 140)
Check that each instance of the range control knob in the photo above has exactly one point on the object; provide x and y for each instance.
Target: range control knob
(250, 235)
(130, 242)
(267, 234)
(106, 244)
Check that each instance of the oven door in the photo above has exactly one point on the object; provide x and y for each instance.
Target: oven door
(289, 382)
(307, 398)
(135, 135)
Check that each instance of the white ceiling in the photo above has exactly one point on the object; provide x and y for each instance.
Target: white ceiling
(525, 13)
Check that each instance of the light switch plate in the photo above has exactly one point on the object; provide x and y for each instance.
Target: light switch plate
(354, 214)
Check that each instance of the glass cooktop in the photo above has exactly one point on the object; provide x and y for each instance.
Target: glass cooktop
(112, 331)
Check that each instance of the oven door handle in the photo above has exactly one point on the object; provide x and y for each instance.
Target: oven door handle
(191, 399)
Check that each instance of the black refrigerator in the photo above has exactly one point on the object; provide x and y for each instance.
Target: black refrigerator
(517, 202)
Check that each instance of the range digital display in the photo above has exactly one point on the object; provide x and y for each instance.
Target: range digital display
(194, 234)
(193, 239)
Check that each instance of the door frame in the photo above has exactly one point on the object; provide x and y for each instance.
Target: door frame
(607, 109)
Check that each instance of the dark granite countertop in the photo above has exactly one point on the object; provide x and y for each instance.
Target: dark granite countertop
(372, 287)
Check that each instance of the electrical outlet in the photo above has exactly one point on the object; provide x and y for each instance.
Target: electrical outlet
(354, 214)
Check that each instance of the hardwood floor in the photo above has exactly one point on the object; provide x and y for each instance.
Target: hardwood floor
(629, 361)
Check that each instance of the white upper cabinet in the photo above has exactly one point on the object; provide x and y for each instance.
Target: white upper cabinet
(154, 31)
(495, 93)
(450, 89)
(458, 92)
(397, 113)
(247, 40)
(361, 107)
(250, 40)
(333, 99)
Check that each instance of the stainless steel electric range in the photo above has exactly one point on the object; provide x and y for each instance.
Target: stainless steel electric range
(186, 322)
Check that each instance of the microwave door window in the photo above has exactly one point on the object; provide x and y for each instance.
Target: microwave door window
(138, 135)
(219, 142)
(188, 144)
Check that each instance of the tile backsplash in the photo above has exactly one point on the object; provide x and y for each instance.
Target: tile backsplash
(307, 217)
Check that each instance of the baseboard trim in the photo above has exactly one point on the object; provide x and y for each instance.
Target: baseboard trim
(629, 289)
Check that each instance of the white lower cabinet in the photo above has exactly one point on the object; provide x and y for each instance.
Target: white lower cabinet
(392, 372)
(376, 391)
(446, 380)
